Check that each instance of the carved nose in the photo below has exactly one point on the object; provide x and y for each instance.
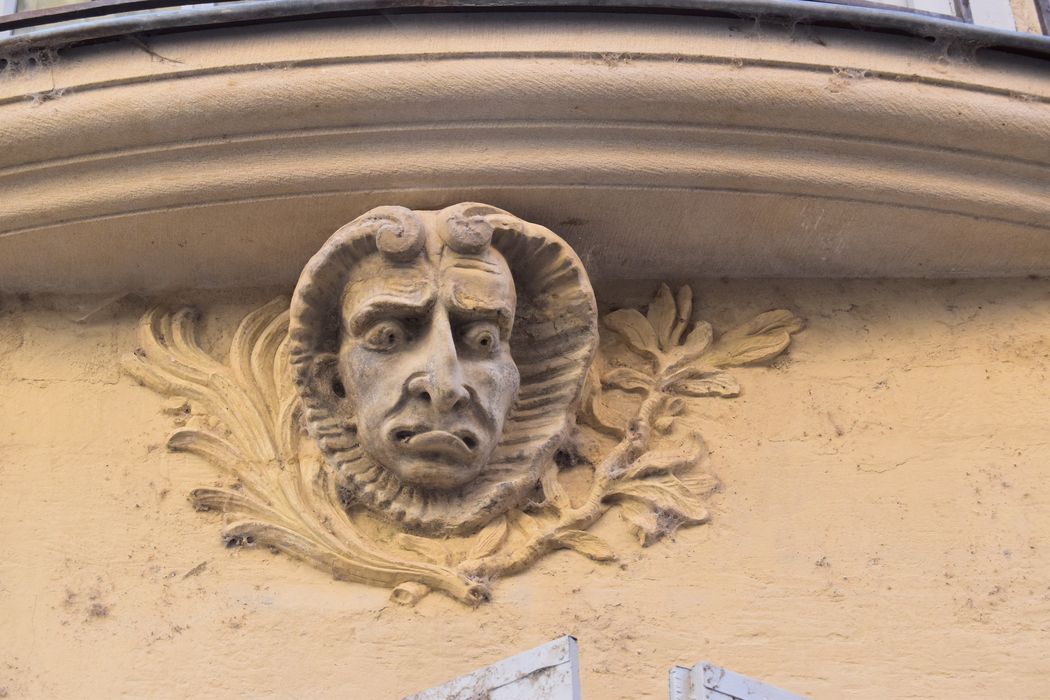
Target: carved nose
(444, 394)
(441, 382)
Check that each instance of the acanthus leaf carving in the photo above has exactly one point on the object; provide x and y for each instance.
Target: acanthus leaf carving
(590, 546)
(275, 498)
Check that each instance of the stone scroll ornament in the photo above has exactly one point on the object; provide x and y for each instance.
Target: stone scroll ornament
(435, 410)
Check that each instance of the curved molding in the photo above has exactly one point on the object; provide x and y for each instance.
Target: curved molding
(833, 152)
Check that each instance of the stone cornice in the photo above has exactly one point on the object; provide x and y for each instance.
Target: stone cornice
(663, 146)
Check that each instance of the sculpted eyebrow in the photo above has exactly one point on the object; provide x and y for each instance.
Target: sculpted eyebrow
(376, 309)
(476, 264)
(497, 313)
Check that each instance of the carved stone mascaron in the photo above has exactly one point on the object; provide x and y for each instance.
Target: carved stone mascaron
(440, 357)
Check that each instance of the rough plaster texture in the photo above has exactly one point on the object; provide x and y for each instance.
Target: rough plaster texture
(882, 529)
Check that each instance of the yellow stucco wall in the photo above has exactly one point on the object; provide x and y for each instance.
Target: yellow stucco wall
(882, 529)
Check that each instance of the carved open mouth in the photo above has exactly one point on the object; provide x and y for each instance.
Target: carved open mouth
(458, 445)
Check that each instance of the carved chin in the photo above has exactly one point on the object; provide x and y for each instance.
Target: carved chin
(434, 471)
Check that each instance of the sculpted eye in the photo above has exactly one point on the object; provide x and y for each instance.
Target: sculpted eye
(385, 335)
(482, 337)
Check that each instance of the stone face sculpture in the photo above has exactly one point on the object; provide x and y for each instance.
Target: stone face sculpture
(440, 356)
(447, 370)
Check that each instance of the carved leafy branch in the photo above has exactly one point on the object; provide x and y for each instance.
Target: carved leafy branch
(657, 491)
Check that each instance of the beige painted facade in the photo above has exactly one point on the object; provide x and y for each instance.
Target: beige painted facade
(882, 528)
(883, 523)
